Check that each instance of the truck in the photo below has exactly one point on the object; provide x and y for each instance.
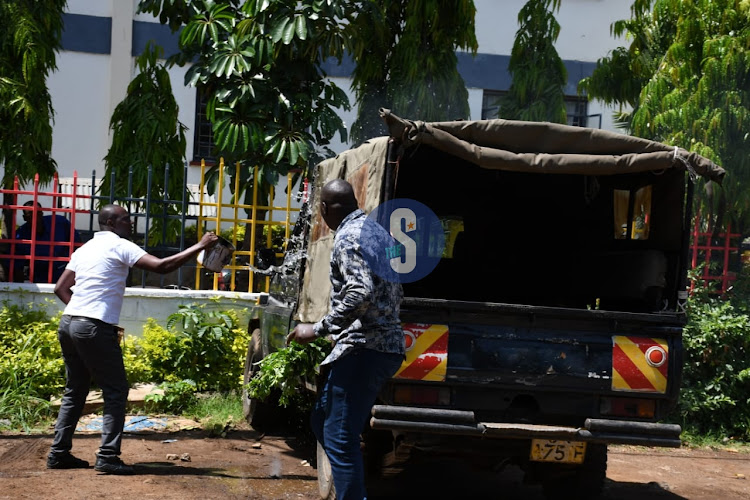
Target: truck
(551, 324)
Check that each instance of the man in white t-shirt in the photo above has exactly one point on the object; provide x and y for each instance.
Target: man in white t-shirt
(88, 333)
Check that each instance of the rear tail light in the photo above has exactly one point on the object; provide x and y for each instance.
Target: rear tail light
(627, 407)
(421, 395)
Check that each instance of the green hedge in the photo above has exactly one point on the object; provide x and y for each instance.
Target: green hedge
(715, 395)
(201, 349)
(31, 365)
(207, 347)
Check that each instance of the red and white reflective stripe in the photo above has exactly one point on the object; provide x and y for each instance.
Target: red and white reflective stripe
(426, 352)
(639, 364)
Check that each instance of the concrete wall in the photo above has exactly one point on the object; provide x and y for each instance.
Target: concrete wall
(139, 303)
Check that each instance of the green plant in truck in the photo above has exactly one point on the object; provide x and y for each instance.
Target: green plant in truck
(283, 370)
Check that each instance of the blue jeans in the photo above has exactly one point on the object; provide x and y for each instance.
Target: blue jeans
(90, 350)
(342, 411)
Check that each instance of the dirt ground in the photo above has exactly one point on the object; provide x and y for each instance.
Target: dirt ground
(246, 464)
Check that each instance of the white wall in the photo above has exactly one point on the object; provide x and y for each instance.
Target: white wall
(139, 304)
(185, 97)
(80, 98)
(476, 97)
(101, 8)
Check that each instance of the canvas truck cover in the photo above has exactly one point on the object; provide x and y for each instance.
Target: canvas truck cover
(516, 146)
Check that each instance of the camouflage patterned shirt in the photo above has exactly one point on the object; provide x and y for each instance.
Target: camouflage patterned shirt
(364, 310)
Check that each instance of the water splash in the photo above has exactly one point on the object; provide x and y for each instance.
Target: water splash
(275, 468)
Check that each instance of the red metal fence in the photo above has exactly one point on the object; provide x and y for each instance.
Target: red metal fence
(37, 248)
(712, 252)
(46, 238)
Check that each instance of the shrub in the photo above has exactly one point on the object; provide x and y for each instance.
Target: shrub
(176, 397)
(715, 396)
(31, 365)
(206, 347)
(137, 365)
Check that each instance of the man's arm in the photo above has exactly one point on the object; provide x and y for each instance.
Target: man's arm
(355, 295)
(64, 285)
(162, 266)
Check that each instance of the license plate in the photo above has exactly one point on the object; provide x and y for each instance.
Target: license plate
(551, 450)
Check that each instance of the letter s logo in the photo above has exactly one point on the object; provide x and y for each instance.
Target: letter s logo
(408, 242)
(410, 247)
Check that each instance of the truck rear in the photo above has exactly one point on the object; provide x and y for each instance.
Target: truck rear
(551, 324)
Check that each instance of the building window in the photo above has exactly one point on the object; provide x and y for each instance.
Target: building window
(576, 107)
(203, 141)
(491, 104)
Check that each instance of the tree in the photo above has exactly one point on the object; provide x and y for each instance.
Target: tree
(147, 133)
(30, 33)
(538, 73)
(259, 62)
(686, 75)
(405, 55)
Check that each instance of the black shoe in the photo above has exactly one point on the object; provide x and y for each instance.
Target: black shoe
(113, 465)
(65, 461)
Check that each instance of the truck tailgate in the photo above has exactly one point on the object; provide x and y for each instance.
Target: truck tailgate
(587, 351)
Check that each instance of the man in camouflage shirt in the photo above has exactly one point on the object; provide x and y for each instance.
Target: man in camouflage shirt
(363, 324)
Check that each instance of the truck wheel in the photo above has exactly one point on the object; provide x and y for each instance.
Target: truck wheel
(259, 414)
(584, 482)
(326, 489)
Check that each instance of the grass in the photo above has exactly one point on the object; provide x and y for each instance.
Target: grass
(692, 439)
(216, 412)
(20, 409)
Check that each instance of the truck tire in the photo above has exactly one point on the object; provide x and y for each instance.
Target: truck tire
(326, 489)
(584, 482)
(259, 414)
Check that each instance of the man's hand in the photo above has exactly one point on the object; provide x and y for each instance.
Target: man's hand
(303, 333)
(208, 240)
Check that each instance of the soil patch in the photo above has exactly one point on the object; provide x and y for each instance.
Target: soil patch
(190, 464)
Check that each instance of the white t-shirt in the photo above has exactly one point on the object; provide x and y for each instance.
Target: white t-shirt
(101, 266)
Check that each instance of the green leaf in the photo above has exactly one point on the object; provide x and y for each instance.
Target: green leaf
(293, 152)
(280, 152)
(288, 35)
(301, 27)
(278, 30)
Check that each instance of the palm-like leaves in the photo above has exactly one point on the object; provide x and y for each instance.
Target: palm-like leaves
(147, 133)
(260, 61)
